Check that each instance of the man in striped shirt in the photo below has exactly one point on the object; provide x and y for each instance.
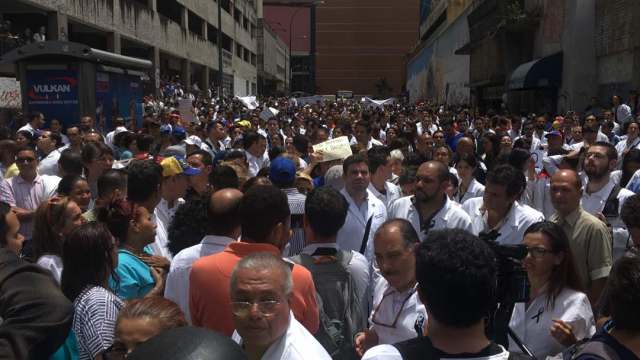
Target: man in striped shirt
(282, 174)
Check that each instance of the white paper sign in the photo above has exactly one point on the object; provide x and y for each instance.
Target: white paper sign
(10, 93)
(185, 106)
(334, 149)
(249, 102)
(369, 103)
(268, 113)
(302, 101)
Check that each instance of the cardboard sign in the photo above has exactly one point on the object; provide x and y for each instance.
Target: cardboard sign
(334, 149)
(185, 106)
(10, 93)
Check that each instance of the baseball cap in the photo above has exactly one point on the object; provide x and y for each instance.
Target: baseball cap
(554, 133)
(179, 132)
(165, 129)
(282, 171)
(193, 140)
(171, 166)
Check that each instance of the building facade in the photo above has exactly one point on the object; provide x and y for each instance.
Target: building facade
(180, 37)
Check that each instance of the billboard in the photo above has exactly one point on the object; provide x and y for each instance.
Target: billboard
(54, 93)
(118, 95)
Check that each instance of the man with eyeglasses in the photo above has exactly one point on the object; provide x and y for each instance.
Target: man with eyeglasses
(27, 190)
(261, 292)
(430, 208)
(589, 238)
(398, 314)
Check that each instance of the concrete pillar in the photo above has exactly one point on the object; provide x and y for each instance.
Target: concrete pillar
(57, 26)
(205, 32)
(205, 79)
(114, 42)
(155, 59)
(184, 18)
(153, 5)
(186, 73)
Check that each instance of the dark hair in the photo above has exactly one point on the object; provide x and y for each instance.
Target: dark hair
(207, 160)
(5, 209)
(65, 186)
(564, 275)
(612, 153)
(453, 266)
(470, 159)
(35, 116)
(189, 224)
(301, 144)
(407, 231)
(630, 213)
(254, 181)
(57, 139)
(408, 175)
(365, 124)
(453, 179)
(162, 311)
(224, 176)
(87, 259)
(28, 135)
(326, 210)
(92, 151)
(111, 180)
(506, 175)
(144, 142)
(632, 156)
(518, 158)
(70, 162)
(262, 208)
(144, 180)
(223, 220)
(48, 221)
(377, 156)
(351, 160)
(250, 138)
(623, 293)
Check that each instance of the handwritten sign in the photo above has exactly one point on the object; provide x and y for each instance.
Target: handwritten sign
(10, 93)
(334, 149)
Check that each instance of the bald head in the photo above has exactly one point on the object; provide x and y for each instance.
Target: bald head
(568, 176)
(224, 219)
(566, 191)
(437, 168)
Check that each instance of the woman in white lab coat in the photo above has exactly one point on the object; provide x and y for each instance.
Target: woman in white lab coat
(558, 313)
(469, 187)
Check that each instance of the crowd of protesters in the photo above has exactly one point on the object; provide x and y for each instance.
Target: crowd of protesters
(224, 217)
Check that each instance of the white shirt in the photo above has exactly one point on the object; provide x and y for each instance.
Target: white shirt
(52, 263)
(474, 190)
(390, 352)
(542, 197)
(392, 193)
(109, 138)
(163, 216)
(625, 144)
(387, 304)
(511, 231)
(420, 128)
(451, 216)
(256, 164)
(296, 344)
(358, 268)
(373, 142)
(594, 203)
(49, 164)
(351, 234)
(177, 283)
(532, 324)
(29, 128)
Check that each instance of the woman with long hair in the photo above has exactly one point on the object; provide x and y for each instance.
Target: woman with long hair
(558, 313)
(134, 229)
(491, 149)
(53, 221)
(89, 259)
(97, 158)
(469, 187)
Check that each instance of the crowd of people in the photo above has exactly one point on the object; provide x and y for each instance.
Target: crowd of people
(228, 218)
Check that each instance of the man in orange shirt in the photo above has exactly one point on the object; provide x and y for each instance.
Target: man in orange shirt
(265, 216)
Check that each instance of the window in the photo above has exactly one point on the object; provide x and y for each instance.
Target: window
(245, 23)
(239, 50)
(237, 15)
(254, 59)
(225, 4)
(247, 55)
(212, 34)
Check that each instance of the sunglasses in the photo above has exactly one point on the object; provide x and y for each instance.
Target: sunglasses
(27, 160)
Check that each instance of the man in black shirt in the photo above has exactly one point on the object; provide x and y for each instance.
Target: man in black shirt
(456, 277)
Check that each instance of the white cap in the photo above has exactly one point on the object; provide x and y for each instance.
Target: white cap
(193, 140)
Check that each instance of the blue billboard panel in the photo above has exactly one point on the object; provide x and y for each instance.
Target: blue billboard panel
(425, 9)
(118, 95)
(54, 93)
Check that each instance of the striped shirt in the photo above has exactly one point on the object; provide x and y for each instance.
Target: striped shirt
(296, 206)
(94, 320)
(17, 192)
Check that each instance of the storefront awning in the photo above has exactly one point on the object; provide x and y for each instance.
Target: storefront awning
(545, 72)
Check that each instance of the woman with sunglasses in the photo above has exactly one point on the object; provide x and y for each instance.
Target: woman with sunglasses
(558, 313)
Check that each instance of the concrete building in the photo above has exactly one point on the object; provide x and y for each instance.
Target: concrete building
(180, 37)
(273, 61)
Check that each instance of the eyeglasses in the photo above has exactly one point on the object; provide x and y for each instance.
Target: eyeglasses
(374, 314)
(243, 308)
(538, 252)
(27, 160)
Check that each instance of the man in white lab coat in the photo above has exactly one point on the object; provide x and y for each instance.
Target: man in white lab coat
(366, 212)
(379, 160)
(497, 214)
(430, 208)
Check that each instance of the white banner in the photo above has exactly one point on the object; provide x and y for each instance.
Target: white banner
(10, 93)
(369, 103)
(248, 101)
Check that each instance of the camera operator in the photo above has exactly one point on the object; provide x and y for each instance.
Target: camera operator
(457, 282)
(497, 214)
(558, 313)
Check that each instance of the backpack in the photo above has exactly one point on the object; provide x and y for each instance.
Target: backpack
(339, 306)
